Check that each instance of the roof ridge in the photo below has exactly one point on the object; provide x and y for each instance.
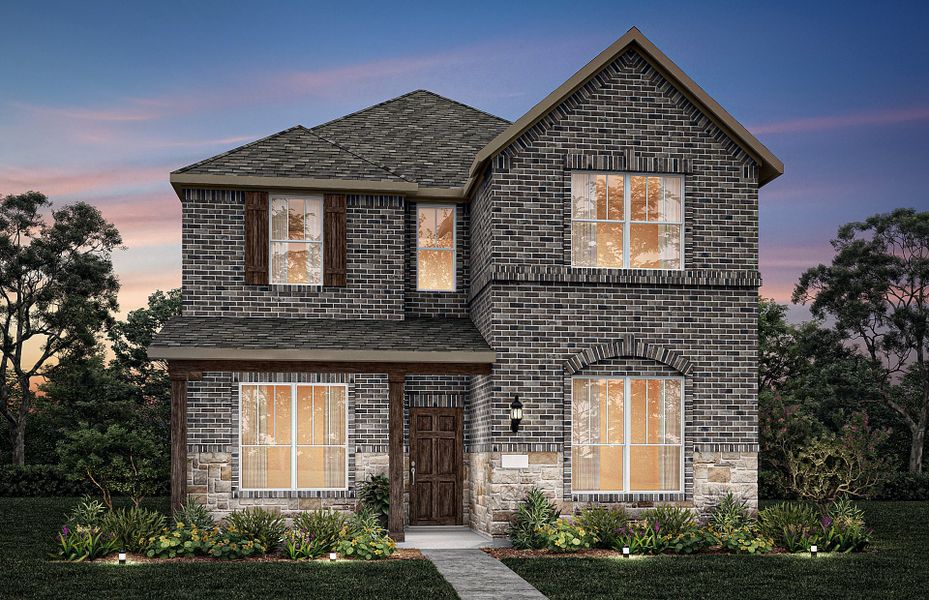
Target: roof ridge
(361, 110)
(402, 96)
(236, 149)
(459, 103)
(355, 154)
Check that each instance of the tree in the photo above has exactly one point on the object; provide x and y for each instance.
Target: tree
(130, 340)
(116, 460)
(57, 292)
(876, 292)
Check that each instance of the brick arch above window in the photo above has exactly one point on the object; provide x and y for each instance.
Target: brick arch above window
(628, 346)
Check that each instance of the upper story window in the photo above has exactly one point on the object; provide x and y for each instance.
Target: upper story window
(621, 220)
(435, 248)
(297, 240)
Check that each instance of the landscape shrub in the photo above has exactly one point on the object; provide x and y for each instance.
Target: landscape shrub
(187, 540)
(603, 523)
(88, 512)
(732, 529)
(648, 537)
(830, 466)
(81, 543)
(313, 534)
(533, 513)
(844, 528)
(669, 520)
(905, 486)
(132, 528)
(793, 526)
(730, 513)
(363, 538)
(40, 480)
(374, 494)
(194, 513)
(258, 524)
(566, 536)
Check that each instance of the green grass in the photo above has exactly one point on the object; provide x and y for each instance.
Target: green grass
(896, 566)
(28, 526)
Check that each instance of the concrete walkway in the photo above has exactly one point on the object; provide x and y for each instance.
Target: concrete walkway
(476, 575)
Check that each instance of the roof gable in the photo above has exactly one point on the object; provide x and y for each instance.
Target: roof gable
(770, 166)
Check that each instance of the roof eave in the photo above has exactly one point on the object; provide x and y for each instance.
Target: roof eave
(179, 181)
(321, 354)
(771, 166)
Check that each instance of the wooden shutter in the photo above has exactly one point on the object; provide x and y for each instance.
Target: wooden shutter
(256, 238)
(335, 240)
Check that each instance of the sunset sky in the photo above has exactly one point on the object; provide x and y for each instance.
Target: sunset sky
(99, 101)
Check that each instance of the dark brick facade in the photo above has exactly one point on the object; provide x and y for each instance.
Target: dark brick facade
(516, 282)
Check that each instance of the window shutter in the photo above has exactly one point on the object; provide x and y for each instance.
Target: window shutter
(335, 240)
(256, 238)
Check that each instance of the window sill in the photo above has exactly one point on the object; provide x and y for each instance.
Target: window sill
(629, 498)
(293, 493)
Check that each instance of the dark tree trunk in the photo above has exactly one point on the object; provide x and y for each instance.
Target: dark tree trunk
(916, 449)
(18, 441)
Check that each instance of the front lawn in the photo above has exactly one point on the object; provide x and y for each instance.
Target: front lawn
(28, 526)
(896, 566)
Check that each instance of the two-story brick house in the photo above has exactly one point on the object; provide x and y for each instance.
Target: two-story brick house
(374, 294)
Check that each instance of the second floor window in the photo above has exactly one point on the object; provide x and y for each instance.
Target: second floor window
(435, 248)
(621, 220)
(297, 240)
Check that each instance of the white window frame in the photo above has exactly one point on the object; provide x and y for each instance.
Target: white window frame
(293, 437)
(454, 248)
(627, 444)
(627, 220)
(322, 236)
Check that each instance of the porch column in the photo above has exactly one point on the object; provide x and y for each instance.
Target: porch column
(395, 454)
(178, 439)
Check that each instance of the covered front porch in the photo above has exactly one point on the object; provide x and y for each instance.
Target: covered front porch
(398, 351)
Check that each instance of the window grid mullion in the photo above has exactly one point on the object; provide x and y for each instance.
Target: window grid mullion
(293, 436)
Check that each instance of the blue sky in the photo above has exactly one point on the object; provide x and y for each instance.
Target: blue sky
(99, 100)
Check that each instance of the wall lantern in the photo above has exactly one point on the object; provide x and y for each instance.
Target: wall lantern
(813, 550)
(516, 414)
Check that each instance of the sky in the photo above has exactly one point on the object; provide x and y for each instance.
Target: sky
(99, 101)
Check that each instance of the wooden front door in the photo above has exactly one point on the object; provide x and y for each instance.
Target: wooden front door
(436, 456)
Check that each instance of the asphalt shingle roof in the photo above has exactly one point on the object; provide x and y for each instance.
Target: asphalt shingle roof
(418, 335)
(419, 137)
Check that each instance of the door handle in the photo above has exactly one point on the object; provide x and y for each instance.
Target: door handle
(412, 472)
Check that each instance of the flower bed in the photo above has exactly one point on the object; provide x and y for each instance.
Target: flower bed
(598, 531)
(93, 533)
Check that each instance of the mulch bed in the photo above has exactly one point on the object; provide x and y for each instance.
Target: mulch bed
(513, 553)
(399, 554)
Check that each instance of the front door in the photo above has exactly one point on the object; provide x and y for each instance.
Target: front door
(435, 466)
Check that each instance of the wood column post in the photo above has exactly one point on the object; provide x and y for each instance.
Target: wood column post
(395, 523)
(178, 439)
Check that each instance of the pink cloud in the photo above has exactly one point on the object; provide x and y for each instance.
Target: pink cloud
(63, 182)
(827, 122)
(90, 114)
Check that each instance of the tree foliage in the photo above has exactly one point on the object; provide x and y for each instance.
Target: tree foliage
(875, 291)
(57, 291)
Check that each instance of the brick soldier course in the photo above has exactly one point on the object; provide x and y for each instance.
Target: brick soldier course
(522, 321)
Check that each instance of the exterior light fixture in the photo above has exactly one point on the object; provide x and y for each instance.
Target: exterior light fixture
(516, 414)
(626, 552)
(122, 558)
(813, 550)
(332, 556)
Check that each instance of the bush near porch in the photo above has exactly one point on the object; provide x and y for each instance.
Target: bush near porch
(26, 571)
